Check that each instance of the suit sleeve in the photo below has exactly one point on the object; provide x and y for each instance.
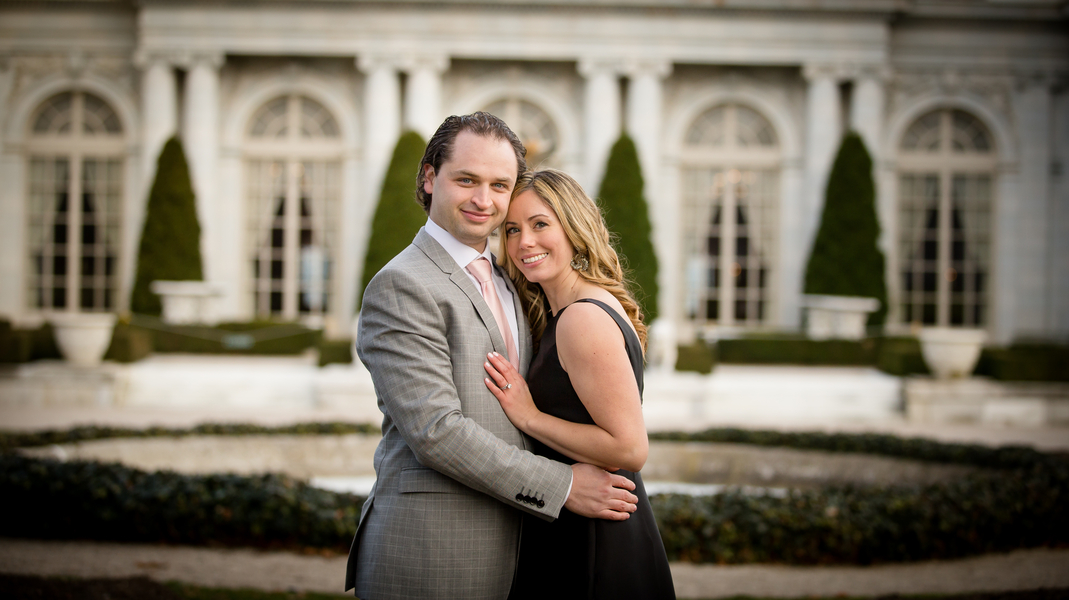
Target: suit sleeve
(403, 342)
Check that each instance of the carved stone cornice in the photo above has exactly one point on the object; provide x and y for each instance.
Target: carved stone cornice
(843, 71)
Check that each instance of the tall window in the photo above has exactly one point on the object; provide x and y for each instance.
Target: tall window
(534, 128)
(293, 189)
(75, 156)
(730, 191)
(947, 166)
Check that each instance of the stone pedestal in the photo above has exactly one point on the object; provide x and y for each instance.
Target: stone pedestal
(841, 317)
(982, 401)
(186, 302)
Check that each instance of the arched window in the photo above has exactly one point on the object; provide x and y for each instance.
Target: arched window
(75, 158)
(533, 126)
(293, 172)
(946, 178)
(730, 191)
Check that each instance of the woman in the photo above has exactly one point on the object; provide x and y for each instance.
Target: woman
(584, 403)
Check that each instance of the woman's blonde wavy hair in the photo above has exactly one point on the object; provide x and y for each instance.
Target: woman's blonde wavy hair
(586, 230)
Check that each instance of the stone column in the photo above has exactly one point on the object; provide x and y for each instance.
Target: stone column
(423, 94)
(13, 207)
(1059, 224)
(823, 134)
(866, 109)
(200, 138)
(159, 113)
(601, 117)
(1032, 102)
(644, 118)
(382, 120)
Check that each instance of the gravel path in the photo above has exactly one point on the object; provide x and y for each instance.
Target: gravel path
(230, 568)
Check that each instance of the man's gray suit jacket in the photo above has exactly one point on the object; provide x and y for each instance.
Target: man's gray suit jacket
(441, 519)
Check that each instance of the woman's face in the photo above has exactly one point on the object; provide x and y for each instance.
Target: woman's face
(535, 239)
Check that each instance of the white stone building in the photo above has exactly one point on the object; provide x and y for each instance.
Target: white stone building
(289, 111)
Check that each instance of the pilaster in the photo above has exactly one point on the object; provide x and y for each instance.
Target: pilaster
(423, 93)
(382, 119)
(200, 136)
(601, 116)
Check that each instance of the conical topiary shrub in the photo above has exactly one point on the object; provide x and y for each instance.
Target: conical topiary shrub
(627, 217)
(398, 216)
(170, 239)
(845, 260)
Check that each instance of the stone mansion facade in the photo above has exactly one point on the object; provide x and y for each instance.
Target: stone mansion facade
(289, 111)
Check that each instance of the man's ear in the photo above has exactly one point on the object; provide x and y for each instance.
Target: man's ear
(428, 179)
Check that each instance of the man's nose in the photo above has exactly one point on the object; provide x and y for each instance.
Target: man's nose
(481, 197)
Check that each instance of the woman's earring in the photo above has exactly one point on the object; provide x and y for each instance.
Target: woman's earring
(580, 262)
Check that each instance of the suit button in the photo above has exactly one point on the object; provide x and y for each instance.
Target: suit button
(541, 504)
(520, 498)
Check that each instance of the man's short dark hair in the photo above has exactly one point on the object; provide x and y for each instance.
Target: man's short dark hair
(440, 147)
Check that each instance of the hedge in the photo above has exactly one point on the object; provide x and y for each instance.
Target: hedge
(253, 337)
(845, 259)
(170, 239)
(88, 500)
(30, 439)
(627, 217)
(1018, 502)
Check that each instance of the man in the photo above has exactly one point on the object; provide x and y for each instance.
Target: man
(451, 469)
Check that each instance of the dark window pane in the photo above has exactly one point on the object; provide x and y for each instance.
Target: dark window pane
(86, 298)
(714, 277)
(277, 237)
(712, 310)
(276, 301)
(929, 317)
(306, 237)
(760, 310)
(742, 246)
(59, 265)
(929, 282)
(59, 233)
(59, 297)
(742, 278)
(931, 250)
(979, 281)
(89, 234)
(957, 250)
(957, 314)
(88, 266)
(740, 310)
(714, 245)
(256, 268)
(109, 266)
(761, 277)
(276, 269)
(907, 281)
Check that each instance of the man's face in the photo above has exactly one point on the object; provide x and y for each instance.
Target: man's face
(470, 192)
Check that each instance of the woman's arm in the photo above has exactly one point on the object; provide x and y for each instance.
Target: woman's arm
(591, 349)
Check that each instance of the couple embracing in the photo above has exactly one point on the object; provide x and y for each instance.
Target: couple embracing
(489, 486)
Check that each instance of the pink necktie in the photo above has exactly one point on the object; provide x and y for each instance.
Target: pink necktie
(480, 268)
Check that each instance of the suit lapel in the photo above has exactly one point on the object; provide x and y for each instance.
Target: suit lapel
(459, 277)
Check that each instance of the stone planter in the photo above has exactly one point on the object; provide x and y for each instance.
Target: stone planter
(950, 352)
(83, 338)
(186, 302)
(837, 317)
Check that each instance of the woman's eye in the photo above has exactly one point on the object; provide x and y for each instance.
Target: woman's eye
(511, 230)
(541, 225)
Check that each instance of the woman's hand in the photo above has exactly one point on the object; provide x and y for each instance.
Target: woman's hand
(510, 390)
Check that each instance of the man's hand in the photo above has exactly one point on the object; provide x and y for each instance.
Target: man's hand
(599, 494)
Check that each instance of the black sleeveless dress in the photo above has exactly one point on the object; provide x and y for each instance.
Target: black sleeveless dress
(577, 557)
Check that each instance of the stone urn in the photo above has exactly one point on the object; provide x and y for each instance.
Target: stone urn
(951, 353)
(837, 317)
(186, 302)
(83, 338)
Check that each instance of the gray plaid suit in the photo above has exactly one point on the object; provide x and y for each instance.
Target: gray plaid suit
(440, 520)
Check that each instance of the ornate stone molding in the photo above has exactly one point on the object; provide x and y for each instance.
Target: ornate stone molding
(591, 67)
(843, 71)
(373, 62)
(993, 87)
(657, 68)
(436, 63)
